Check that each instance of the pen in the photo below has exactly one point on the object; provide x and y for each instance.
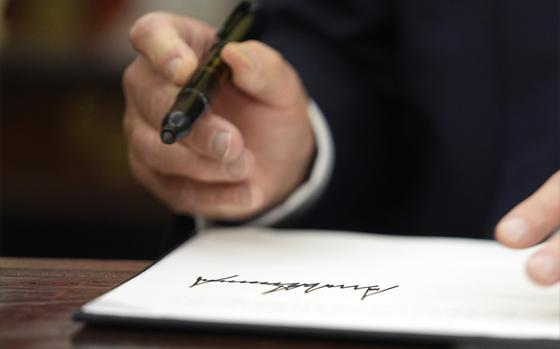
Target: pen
(193, 99)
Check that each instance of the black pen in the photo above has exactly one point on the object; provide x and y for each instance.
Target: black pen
(193, 99)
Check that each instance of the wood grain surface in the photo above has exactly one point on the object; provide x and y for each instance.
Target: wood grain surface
(38, 297)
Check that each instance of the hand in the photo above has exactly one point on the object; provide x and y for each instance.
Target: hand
(247, 154)
(532, 221)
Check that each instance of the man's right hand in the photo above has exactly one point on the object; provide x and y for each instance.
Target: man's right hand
(244, 156)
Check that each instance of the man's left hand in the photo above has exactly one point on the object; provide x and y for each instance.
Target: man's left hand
(531, 222)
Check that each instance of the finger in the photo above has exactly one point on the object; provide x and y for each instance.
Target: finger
(533, 219)
(212, 135)
(544, 266)
(262, 72)
(150, 93)
(180, 160)
(215, 137)
(172, 44)
(218, 201)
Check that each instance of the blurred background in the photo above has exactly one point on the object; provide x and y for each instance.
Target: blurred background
(65, 186)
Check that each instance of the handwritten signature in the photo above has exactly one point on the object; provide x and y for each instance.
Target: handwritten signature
(289, 286)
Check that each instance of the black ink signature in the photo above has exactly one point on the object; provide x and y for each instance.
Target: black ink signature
(288, 286)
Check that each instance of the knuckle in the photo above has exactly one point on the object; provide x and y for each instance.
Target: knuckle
(142, 144)
(129, 77)
(147, 145)
(144, 25)
(127, 123)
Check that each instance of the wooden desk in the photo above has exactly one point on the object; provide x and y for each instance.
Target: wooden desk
(38, 296)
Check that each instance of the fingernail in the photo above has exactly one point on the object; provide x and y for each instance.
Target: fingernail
(238, 168)
(173, 67)
(514, 229)
(546, 266)
(221, 144)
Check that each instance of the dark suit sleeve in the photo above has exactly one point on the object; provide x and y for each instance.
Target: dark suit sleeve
(344, 55)
(326, 41)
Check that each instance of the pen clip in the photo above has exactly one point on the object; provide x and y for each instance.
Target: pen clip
(236, 16)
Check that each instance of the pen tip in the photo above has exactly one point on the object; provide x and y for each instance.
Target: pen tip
(167, 137)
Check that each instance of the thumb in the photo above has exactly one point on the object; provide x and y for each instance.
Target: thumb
(261, 72)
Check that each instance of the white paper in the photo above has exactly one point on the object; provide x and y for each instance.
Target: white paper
(446, 286)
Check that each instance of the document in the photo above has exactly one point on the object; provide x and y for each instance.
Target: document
(340, 282)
